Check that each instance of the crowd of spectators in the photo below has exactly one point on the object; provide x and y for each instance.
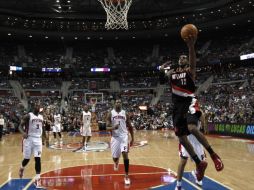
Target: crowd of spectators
(12, 111)
(234, 75)
(233, 47)
(230, 100)
(89, 57)
(152, 54)
(44, 55)
(139, 82)
(41, 83)
(8, 54)
(4, 84)
(127, 56)
(90, 84)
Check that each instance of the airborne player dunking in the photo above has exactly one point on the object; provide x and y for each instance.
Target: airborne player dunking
(185, 107)
(118, 122)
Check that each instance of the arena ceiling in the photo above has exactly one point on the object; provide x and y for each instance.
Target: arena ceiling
(66, 8)
(85, 19)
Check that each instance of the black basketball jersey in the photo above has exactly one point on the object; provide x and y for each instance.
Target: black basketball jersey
(182, 84)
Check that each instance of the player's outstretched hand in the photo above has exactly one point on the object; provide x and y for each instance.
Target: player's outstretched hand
(190, 41)
(165, 65)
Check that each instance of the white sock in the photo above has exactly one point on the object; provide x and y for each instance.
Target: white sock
(178, 183)
(22, 167)
(37, 176)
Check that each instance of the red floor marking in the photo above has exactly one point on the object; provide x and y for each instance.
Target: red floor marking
(73, 145)
(103, 177)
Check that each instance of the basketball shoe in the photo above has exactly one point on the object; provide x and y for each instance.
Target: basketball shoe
(200, 183)
(217, 162)
(200, 170)
(37, 183)
(127, 180)
(21, 172)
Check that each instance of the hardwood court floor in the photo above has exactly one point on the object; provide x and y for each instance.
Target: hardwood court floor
(161, 151)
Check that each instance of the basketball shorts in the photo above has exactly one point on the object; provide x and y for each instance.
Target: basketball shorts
(198, 148)
(57, 128)
(85, 131)
(185, 112)
(118, 145)
(32, 145)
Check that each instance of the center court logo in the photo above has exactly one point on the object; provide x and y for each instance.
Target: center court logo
(97, 146)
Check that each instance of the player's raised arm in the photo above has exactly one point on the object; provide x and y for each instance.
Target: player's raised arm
(167, 68)
(23, 124)
(130, 127)
(190, 41)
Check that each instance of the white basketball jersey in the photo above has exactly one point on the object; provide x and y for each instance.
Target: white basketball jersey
(35, 125)
(1, 122)
(86, 118)
(119, 118)
(57, 119)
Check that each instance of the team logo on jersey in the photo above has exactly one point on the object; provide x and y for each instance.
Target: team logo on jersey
(97, 146)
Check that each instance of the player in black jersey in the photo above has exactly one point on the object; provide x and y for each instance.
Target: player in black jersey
(186, 107)
(47, 126)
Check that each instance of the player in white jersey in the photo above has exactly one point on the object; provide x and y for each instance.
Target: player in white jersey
(85, 129)
(118, 122)
(32, 142)
(57, 128)
(184, 155)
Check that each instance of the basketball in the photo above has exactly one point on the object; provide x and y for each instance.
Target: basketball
(189, 30)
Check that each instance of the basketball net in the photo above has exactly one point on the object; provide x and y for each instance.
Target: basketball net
(116, 11)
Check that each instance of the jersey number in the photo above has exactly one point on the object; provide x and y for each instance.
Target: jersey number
(38, 126)
(183, 81)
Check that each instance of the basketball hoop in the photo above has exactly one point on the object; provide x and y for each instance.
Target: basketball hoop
(116, 11)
